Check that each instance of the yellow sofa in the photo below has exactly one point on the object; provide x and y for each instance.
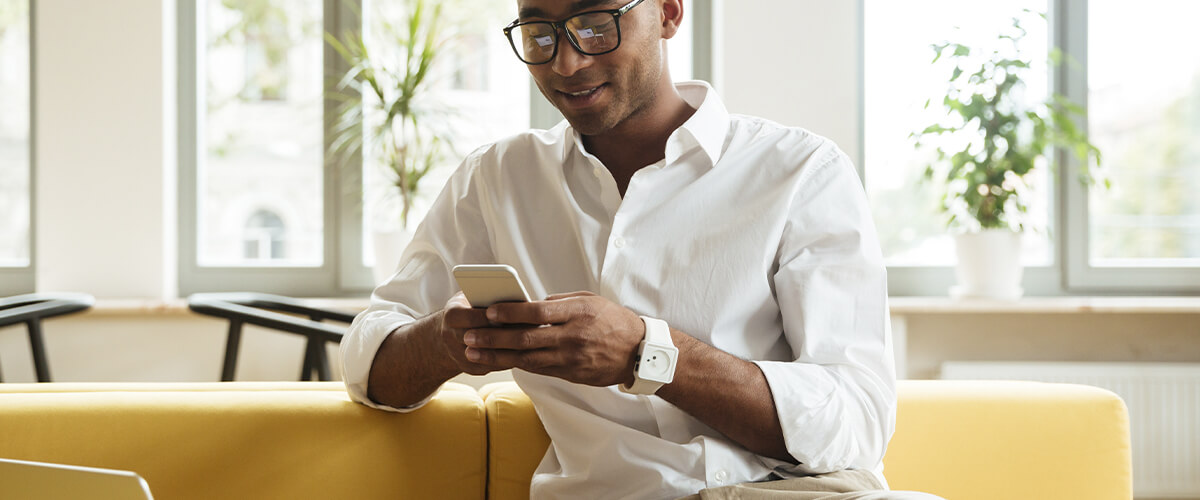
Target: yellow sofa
(961, 440)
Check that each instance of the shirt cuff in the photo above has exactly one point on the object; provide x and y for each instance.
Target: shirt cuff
(811, 413)
(358, 351)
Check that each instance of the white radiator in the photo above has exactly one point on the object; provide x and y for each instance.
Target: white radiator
(1164, 413)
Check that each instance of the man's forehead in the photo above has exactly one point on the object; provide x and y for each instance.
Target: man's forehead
(557, 9)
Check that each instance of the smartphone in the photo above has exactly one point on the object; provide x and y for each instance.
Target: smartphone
(487, 284)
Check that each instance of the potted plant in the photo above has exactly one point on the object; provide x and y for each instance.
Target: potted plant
(988, 144)
(389, 115)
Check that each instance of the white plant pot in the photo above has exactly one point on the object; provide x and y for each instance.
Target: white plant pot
(388, 245)
(989, 265)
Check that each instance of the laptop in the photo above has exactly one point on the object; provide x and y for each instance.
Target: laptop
(21, 480)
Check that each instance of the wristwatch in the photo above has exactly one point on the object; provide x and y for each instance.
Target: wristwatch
(655, 365)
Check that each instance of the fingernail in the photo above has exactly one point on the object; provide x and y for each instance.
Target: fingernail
(473, 354)
(492, 314)
(469, 339)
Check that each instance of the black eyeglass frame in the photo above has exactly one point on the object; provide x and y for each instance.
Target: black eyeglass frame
(557, 25)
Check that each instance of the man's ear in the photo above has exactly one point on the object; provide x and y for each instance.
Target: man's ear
(672, 17)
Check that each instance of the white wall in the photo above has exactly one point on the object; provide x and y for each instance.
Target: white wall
(795, 62)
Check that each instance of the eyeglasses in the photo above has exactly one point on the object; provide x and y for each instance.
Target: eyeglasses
(592, 33)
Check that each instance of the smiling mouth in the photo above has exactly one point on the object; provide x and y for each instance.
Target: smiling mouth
(583, 98)
(582, 93)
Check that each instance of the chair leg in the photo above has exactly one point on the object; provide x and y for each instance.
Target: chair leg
(40, 364)
(322, 362)
(306, 367)
(315, 359)
(231, 350)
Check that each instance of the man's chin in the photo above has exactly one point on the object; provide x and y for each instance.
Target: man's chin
(588, 123)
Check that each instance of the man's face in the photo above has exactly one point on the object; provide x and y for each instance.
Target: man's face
(597, 93)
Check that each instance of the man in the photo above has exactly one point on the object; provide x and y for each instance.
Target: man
(740, 251)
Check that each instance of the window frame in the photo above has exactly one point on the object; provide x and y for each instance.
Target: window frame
(1069, 271)
(1081, 275)
(18, 280)
(342, 272)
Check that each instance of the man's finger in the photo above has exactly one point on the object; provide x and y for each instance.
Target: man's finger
(520, 339)
(549, 312)
(538, 360)
(460, 318)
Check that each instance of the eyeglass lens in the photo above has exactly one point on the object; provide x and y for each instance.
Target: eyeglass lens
(595, 33)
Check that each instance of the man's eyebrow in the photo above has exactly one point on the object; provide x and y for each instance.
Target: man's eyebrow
(579, 6)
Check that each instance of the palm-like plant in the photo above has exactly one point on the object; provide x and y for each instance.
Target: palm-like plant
(409, 141)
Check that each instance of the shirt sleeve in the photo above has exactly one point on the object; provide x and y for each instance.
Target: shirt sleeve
(836, 400)
(452, 232)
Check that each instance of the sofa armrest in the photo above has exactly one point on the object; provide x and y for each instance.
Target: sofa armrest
(997, 440)
(259, 440)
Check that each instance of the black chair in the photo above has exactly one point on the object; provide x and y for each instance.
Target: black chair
(267, 311)
(31, 309)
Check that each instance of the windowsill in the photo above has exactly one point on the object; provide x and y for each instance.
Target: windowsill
(1045, 305)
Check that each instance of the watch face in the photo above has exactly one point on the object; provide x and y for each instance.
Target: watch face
(656, 362)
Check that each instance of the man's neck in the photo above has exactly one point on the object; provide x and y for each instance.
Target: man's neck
(640, 140)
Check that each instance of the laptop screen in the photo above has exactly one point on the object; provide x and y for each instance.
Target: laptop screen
(21, 480)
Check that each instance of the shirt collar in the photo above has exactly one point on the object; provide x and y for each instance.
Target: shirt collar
(706, 128)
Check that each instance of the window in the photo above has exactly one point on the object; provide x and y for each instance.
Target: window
(1144, 112)
(1141, 89)
(16, 274)
(263, 206)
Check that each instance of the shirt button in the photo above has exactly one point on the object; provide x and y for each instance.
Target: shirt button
(619, 243)
(598, 172)
(721, 476)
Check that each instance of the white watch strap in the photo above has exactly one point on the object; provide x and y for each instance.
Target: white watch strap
(657, 332)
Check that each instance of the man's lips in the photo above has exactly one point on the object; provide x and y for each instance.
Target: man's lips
(583, 91)
(582, 95)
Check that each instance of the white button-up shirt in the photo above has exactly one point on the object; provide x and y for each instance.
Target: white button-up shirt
(752, 237)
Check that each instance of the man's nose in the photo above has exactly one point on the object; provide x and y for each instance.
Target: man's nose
(569, 60)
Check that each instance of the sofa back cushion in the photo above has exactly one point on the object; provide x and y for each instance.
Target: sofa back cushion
(993, 440)
(256, 440)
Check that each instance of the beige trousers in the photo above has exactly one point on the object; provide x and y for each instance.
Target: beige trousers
(841, 485)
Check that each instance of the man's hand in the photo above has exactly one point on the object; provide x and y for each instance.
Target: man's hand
(456, 319)
(581, 337)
